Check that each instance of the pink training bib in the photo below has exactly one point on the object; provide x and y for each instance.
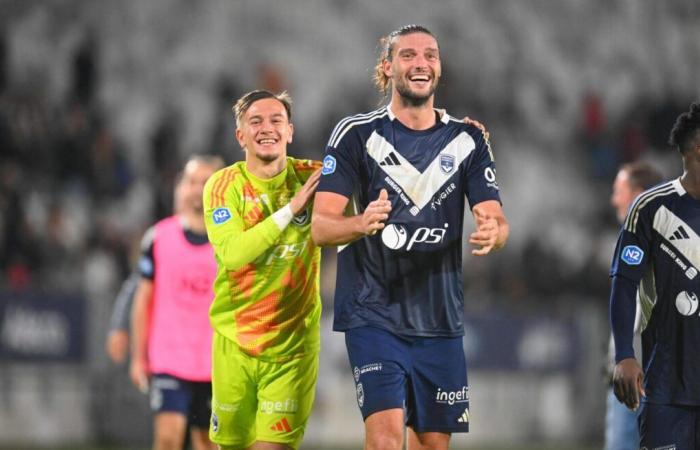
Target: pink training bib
(179, 342)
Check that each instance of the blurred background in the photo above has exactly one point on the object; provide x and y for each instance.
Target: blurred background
(101, 102)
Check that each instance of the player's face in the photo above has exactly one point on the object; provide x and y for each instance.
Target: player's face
(188, 194)
(415, 67)
(265, 130)
(623, 194)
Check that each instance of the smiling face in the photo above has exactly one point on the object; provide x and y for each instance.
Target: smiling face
(414, 67)
(264, 130)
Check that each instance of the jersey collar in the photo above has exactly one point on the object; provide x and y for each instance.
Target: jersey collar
(444, 117)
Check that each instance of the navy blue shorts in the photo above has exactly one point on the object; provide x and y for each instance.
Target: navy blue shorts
(189, 398)
(426, 376)
(669, 427)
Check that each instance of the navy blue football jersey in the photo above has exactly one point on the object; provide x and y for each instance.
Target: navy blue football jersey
(406, 279)
(659, 248)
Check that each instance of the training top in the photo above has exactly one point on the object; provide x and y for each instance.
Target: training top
(408, 278)
(267, 288)
(659, 250)
(179, 334)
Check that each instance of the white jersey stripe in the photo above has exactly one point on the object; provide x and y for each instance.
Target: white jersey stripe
(342, 127)
(642, 201)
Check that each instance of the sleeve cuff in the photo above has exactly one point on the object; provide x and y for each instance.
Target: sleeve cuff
(283, 217)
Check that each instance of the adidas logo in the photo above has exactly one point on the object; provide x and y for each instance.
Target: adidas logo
(391, 160)
(281, 425)
(680, 233)
(464, 418)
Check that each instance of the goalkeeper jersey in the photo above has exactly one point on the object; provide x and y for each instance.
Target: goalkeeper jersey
(266, 292)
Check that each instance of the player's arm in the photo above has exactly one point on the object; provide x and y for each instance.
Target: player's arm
(140, 313)
(629, 264)
(140, 318)
(118, 335)
(492, 228)
(330, 226)
(236, 246)
(627, 375)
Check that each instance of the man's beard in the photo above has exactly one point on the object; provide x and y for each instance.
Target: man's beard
(410, 97)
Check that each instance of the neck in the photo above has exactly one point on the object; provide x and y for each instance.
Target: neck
(420, 117)
(265, 169)
(690, 180)
(193, 221)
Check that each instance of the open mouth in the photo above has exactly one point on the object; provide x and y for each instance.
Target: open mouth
(266, 141)
(420, 79)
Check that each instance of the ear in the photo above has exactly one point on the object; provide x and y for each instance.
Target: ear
(239, 138)
(291, 133)
(386, 67)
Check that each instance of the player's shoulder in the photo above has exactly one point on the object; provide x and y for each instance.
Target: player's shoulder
(358, 121)
(223, 176)
(646, 203)
(474, 129)
(303, 166)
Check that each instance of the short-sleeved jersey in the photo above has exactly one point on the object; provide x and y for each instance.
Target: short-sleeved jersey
(408, 278)
(270, 305)
(659, 248)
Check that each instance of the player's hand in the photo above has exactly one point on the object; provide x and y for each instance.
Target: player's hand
(306, 193)
(486, 233)
(139, 374)
(627, 382)
(376, 213)
(475, 123)
(117, 345)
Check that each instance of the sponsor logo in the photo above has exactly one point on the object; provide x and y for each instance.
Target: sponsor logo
(447, 163)
(665, 447)
(360, 395)
(464, 417)
(395, 236)
(356, 374)
(281, 425)
(288, 406)
(687, 303)
(285, 251)
(679, 234)
(437, 201)
(374, 367)
(632, 255)
(329, 164)
(301, 219)
(221, 215)
(214, 423)
(390, 160)
(490, 176)
(690, 271)
(452, 397)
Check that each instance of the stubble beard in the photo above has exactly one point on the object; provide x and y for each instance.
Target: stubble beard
(410, 97)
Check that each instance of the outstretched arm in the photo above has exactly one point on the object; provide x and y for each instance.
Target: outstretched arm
(329, 226)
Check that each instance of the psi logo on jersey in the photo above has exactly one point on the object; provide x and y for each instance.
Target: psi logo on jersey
(632, 255)
(221, 215)
(687, 303)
